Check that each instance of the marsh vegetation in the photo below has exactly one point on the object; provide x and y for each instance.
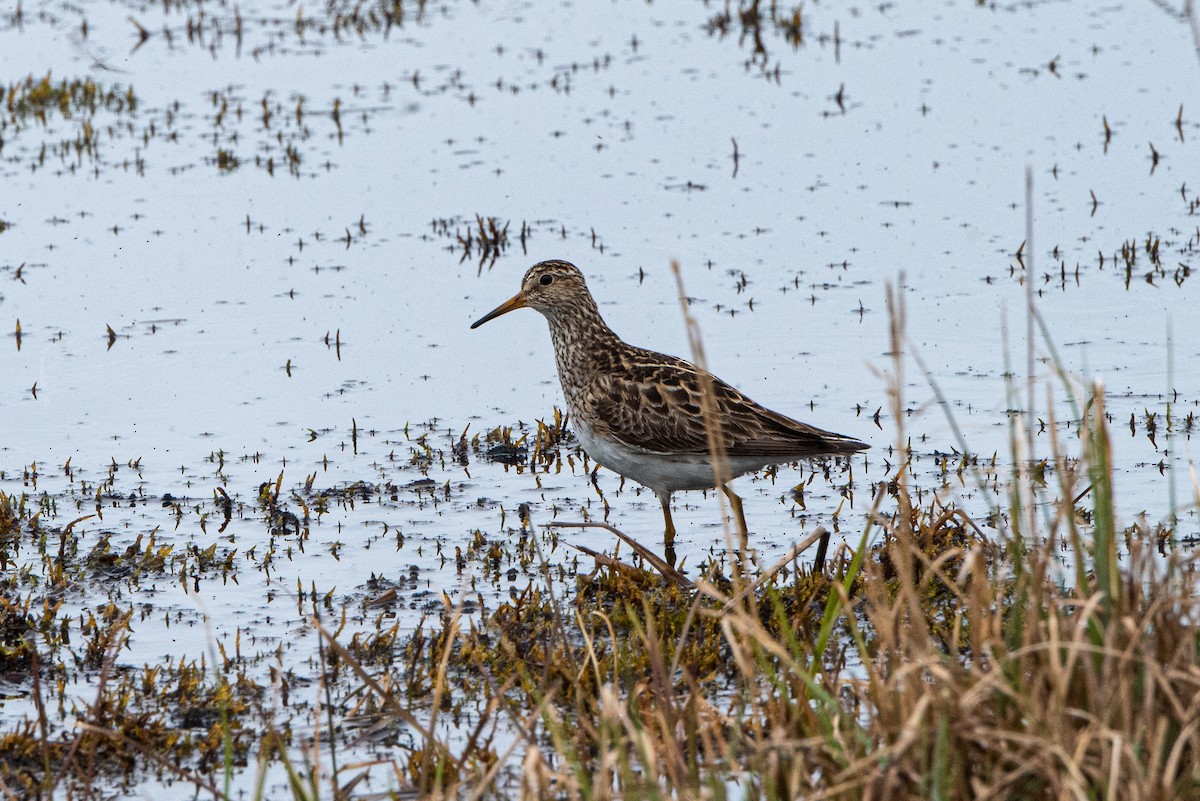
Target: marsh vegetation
(273, 524)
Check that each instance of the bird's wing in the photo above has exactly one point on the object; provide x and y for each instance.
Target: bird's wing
(656, 404)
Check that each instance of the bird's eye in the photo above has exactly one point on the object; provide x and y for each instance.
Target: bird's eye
(547, 280)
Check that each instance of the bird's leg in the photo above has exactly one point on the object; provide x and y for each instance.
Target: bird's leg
(669, 532)
(736, 503)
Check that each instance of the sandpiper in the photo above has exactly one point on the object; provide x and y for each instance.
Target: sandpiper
(641, 413)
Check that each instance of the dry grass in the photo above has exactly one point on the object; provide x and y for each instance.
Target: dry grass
(944, 666)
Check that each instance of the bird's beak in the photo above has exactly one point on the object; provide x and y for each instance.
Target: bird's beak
(517, 301)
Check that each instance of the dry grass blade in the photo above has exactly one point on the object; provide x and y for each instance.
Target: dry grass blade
(8, 792)
(617, 565)
(486, 783)
(820, 533)
(650, 556)
(708, 404)
(385, 697)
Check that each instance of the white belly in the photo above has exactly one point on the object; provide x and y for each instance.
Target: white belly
(663, 473)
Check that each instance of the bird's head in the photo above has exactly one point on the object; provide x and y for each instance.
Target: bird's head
(548, 287)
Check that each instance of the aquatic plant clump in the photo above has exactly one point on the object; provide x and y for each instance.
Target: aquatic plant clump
(37, 98)
(42, 101)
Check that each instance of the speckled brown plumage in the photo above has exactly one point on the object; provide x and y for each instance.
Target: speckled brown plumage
(639, 412)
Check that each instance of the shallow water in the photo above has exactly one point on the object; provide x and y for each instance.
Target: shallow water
(281, 280)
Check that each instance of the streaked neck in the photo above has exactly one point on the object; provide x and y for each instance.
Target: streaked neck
(584, 345)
